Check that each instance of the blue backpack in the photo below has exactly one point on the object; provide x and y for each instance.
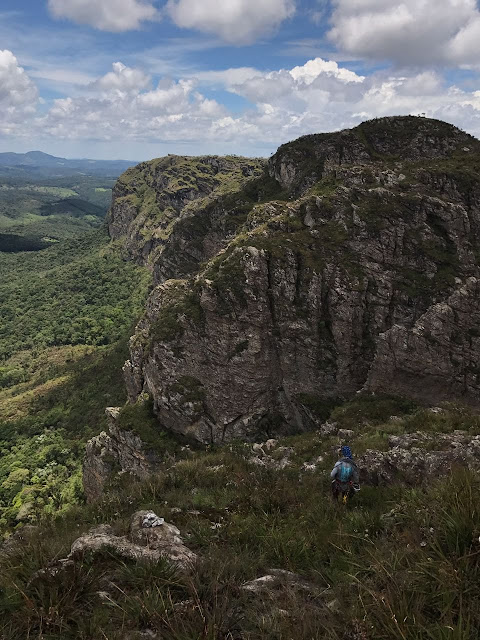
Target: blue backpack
(346, 471)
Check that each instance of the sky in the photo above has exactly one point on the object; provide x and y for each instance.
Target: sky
(138, 79)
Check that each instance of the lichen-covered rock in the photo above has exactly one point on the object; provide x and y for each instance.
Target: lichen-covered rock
(351, 263)
(142, 544)
(117, 450)
(276, 579)
(14, 543)
(419, 458)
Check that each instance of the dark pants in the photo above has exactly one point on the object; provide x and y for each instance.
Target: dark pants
(339, 489)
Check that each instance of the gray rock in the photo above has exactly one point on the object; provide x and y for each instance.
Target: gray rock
(113, 452)
(345, 434)
(409, 462)
(360, 279)
(280, 578)
(17, 541)
(142, 544)
(436, 358)
(329, 429)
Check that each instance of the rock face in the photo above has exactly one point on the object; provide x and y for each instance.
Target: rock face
(117, 450)
(170, 212)
(350, 263)
(446, 343)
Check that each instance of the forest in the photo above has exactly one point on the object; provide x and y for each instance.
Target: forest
(68, 302)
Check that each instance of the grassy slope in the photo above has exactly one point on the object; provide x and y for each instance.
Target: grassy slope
(412, 574)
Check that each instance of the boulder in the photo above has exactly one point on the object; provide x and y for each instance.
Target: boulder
(149, 539)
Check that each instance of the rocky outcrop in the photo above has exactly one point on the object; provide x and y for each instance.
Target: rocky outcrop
(275, 579)
(351, 263)
(117, 450)
(176, 212)
(420, 458)
(298, 165)
(149, 539)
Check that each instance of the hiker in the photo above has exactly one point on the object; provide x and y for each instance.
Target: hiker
(345, 475)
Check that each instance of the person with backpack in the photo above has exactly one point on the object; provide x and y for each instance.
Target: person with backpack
(345, 475)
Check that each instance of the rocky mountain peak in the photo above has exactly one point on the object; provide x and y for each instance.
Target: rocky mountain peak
(349, 262)
(299, 164)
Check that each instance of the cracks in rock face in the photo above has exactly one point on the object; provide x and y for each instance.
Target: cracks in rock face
(298, 279)
(275, 339)
(366, 353)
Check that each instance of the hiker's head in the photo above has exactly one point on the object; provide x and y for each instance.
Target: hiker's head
(346, 451)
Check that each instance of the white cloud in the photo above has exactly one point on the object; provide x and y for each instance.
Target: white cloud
(121, 108)
(312, 69)
(18, 94)
(408, 32)
(465, 47)
(122, 79)
(306, 86)
(106, 15)
(228, 77)
(235, 21)
(61, 76)
(174, 110)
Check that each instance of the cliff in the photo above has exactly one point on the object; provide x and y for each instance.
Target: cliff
(348, 262)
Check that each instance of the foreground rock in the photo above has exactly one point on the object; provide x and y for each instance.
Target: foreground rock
(277, 579)
(419, 458)
(18, 540)
(149, 539)
(351, 263)
(280, 595)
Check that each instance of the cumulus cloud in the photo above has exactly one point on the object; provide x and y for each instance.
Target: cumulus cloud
(122, 79)
(18, 94)
(320, 96)
(313, 69)
(106, 15)
(284, 104)
(408, 32)
(301, 87)
(174, 110)
(235, 21)
(465, 46)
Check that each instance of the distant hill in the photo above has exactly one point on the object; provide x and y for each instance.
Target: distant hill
(37, 163)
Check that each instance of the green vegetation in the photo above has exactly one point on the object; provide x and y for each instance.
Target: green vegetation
(140, 419)
(67, 312)
(77, 292)
(183, 179)
(50, 210)
(401, 564)
(181, 302)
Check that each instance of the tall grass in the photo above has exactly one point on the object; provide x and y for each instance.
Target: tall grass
(400, 563)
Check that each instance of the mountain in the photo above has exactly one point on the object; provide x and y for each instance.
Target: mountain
(326, 297)
(349, 262)
(37, 163)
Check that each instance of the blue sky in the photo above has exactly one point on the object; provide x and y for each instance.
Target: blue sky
(141, 78)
